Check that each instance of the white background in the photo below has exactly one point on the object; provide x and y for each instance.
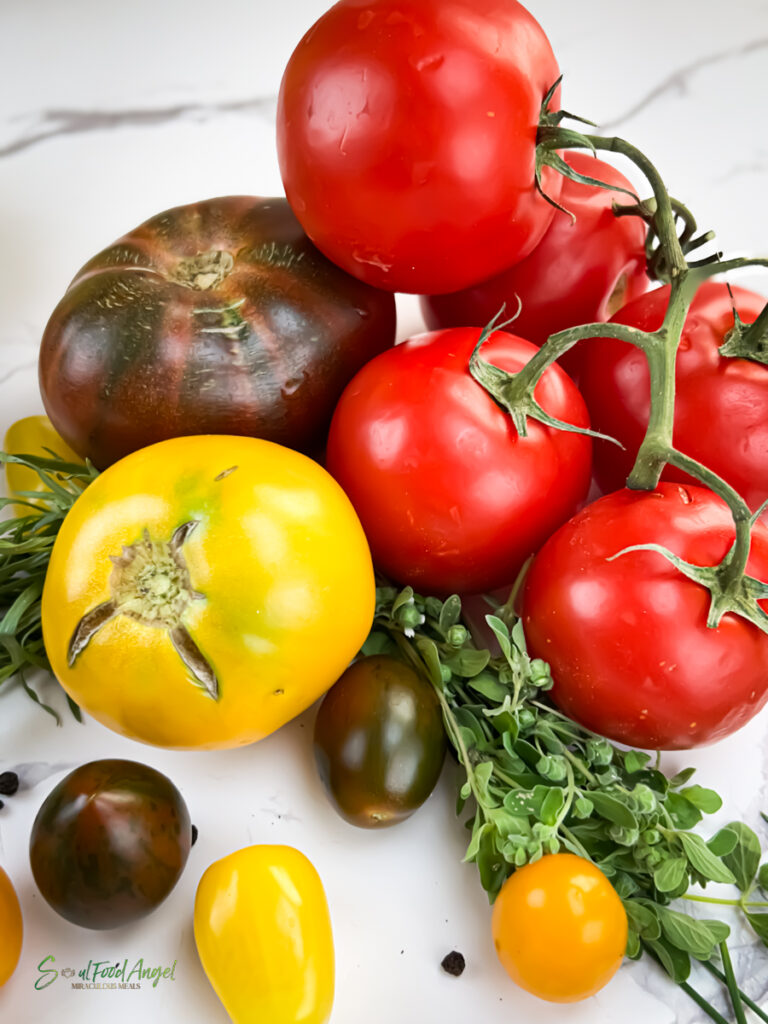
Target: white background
(112, 112)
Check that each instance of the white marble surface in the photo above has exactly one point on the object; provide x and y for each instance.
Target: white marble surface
(110, 113)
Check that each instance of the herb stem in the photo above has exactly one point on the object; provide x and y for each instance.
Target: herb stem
(715, 972)
(731, 984)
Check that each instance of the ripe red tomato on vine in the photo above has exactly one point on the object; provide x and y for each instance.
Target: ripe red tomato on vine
(406, 134)
(582, 271)
(626, 637)
(721, 402)
(451, 498)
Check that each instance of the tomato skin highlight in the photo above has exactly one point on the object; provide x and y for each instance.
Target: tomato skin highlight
(559, 928)
(11, 928)
(631, 655)
(379, 742)
(721, 403)
(278, 595)
(581, 271)
(109, 843)
(406, 138)
(450, 497)
(263, 934)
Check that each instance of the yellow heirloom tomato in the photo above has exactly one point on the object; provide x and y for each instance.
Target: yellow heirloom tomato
(263, 933)
(205, 590)
(11, 928)
(32, 435)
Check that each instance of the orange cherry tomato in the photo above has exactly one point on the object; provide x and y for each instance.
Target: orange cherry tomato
(559, 928)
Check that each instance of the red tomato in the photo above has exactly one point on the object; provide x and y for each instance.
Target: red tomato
(581, 271)
(406, 134)
(450, 497)
(721, 407)
(631, 654)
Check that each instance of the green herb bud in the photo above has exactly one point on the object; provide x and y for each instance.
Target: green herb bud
(456, 636)
(533, 849)
(445, 673)
(624, 836)
(554, 845)
(654, 857)
(526, 719)
(582, 807)
(544, 764)
(651, 836)
(599, 752)
(542, 831)
(521, 856)
(644, 798)
(409, 617)
(540, 674)
(556, 770)
(610, 775)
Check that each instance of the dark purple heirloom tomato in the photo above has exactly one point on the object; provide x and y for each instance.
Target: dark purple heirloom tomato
(109, 843)
(379, 742)
(216, 318)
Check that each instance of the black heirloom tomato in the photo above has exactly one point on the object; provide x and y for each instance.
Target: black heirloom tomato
(379, 742)
(219, 317)
(109, 843)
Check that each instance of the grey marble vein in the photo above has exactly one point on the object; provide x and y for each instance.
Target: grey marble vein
(678, 80)
(55, 123)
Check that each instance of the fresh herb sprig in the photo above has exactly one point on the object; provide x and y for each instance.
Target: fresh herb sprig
(539, 783)
(26, 542)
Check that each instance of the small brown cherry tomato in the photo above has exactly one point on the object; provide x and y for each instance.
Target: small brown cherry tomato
(109, 843)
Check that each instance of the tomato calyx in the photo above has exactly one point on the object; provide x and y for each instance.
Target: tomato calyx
(203, 271)
(150, 583)
(747, 341)
(513, 393)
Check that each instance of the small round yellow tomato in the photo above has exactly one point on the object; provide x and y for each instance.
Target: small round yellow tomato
(32, 435)
(559, 928)
(263, 934)
(11, 928)
(205, 590)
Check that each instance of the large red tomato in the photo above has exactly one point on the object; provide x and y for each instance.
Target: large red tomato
(631, 654)
(721, 407)
(450, 497)
(581, 271)
(406, 133)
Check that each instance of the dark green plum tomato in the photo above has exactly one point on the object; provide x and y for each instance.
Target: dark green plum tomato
(109, 843)
(379, 742)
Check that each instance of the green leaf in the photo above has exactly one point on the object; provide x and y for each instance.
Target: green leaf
(488, 685)
(643, 918)
(552, 805)
(450, 613)
(491, 864)
(501, 633)
(723, 842)
(720, 930)
(675, 962)
(744, 859)
(670, 873)
(682, 811)
(762, 877)
(682, 777)
(760, 924)
(706, 800)
(467, 662)
(474, 842)
(703, 860)
(635, 760)
(634, 950)
(428, 651)
(404, 597)
(613, 809)
(483, 773)
(687, 933)
(378, 643)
